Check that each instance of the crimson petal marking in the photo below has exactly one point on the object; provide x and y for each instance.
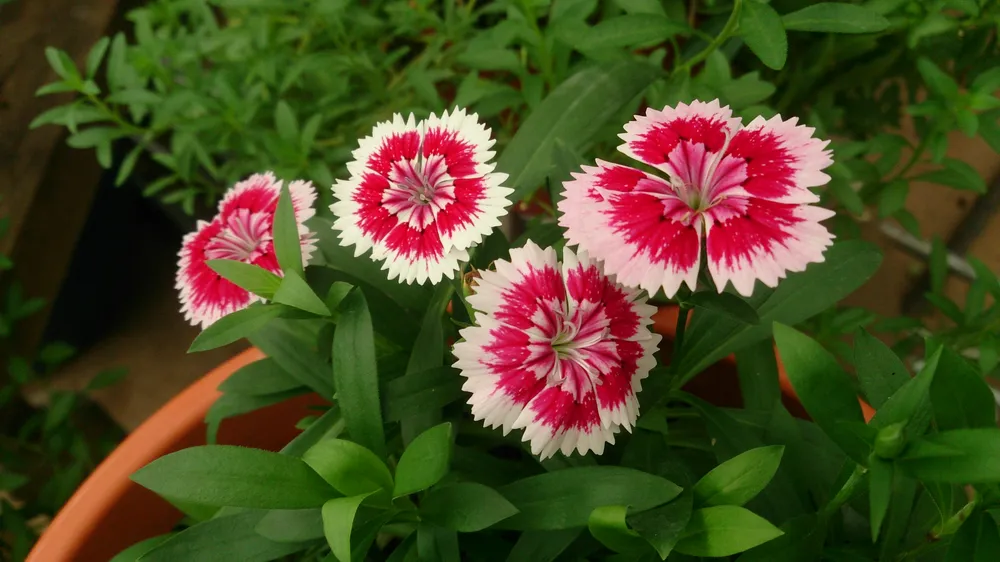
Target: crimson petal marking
(652, 137)
(783, 160)
(205, 296)
(558, 351)
(765, 241)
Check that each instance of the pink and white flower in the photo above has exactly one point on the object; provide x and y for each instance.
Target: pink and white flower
(559, 350)
(421, 194)
(743, 190)
(242, 231)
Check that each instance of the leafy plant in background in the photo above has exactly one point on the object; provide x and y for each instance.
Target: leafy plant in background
(45, 453)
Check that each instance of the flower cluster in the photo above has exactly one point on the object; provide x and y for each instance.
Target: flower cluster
(558, 349)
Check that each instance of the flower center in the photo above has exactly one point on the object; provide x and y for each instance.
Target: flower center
(581, 349)
(242, 238)
(422, 178)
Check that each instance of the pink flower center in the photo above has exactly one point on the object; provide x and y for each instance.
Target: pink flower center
(581, 351)
(419, 189)
(706, 184)
(244, 237)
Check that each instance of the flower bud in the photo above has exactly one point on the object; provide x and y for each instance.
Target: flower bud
(890, 441)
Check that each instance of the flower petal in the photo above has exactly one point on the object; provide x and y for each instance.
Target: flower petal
(420, 195)
(783, 160)
(652, 137)
(205, 296)
(764, 240)
(635, 224)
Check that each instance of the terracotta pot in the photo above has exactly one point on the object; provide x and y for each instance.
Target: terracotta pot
(109, 512)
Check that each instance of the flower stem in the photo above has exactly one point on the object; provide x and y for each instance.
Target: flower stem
(846, 492)
(721, 38)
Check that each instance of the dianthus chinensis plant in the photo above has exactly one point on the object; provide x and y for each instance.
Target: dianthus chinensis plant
(486, 400)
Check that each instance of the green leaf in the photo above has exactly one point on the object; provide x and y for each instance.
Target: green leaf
(223, 538)
(61, 405)
(880, 371)
(542, 546)
(55, 88)
(287, 245)
(575, 112)
(911, 403)
(892, 198)
(424, 462)
(293, 291)
(961, 456)
(96, 55)
(292, 345)
(428, 353)
(355, 373)
(410, 395)
(607, 525)
(937, 80)
(803, 540)
(338, 521)
(758, 371)
(712, 336)
(223, 475)
(823, 388)
(724, 530)
(663, 526)
(565, 498)
(977, 540)
(231, 405)
(725, 303)
(739, 479)
(835, 17)
(106, 378)
(235, 326)
(350, 468)
(261, 377)
(285, 122)
(135, 96)
(879, 492)
(437, 544)
(987, 82)
(956, 174)
(137, 550)
(960, 397)
(127, 165)
(62, 64)
(117, 66)
(257, 280)
(937, 265)
(465, 507)
(94, 137)
(761, 28)
(624, 31)
(309, 131)
(291, 525)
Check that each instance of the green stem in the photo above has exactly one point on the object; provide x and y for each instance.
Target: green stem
(544, 57)
(721, 38)
(914, 158)
(846, 492)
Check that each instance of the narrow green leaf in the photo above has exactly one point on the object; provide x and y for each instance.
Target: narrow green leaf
(937, 80)
(350, 468)
(663, 526)
(607, 525)
(355, 373)
(285, 122)
(235, 326)
(223, 475)
(293, 291)
(62, 64)
(758, 371)
(409, 395)
(803, 540)
(287, 245)
(428, 353)
(128, 165)
(712, 336)
(977, 540)
(261, 377)
(542, 546)
(763, 32)
(257, 280)
(835, 17)
(224, 538)
(437, 544)
(879, 492)
(291, 525)
(937, 265)
(740, 479)
(960, 397)
(823, 388)
(575, 111)
(424, 462)
(338, 521)
(465, 507)
(957, 174)
(623, 31)
(880, 371)
(137, 550)
(292, 345)
(565, 498)
(96, 55)
(231, 405)
(911, 403)
(724, 530)
(961, 456)
(726, 303)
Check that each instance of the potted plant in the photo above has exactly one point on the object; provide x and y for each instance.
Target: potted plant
(483, 401)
